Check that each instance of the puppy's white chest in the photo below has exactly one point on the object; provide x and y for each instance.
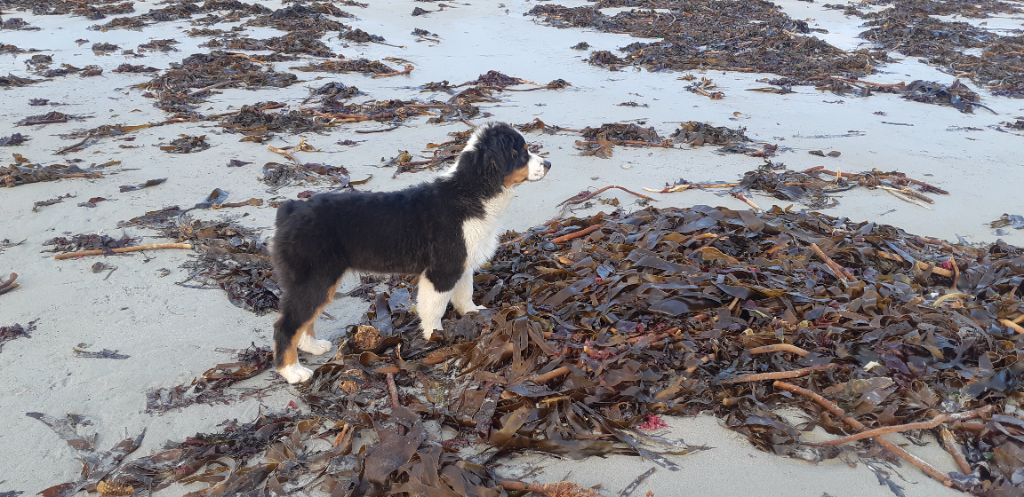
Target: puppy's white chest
(481, 234)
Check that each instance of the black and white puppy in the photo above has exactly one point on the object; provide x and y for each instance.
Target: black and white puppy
(441, 231)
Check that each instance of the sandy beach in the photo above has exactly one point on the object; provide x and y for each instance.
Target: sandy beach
(142, 305)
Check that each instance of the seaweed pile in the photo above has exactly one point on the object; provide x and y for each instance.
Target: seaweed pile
(909, 27)
(256, 120)
(209, 387)
(815, 187)
(205, 72)
(864, 327)
(23, 172)
(94, 9)
(600, 141)
(228, 256)
(177, 10)
(301, 42)
(732, 35)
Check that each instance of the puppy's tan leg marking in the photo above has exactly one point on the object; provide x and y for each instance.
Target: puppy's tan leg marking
(290, 369)
(308, 342)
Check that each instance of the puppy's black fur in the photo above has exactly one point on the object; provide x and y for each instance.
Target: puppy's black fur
(411, 231)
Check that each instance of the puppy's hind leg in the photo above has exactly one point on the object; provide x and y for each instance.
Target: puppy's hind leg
(462, 296)
(307, 341)
(300, 305)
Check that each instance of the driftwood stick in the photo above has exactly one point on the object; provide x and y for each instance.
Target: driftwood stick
(747, 200)
(920, 425)
(560, 489)
(949, 443)
(831, 407)
(9, 284)
(1012, 325)
(779, 347)
(777, 375)
(941, 271)
(577, 234)
(1018, 319)
(550, 375)
(393, 391)
(839, 271)
(583, 197)
(123, 250)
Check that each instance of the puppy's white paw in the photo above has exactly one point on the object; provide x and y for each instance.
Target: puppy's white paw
(313, 346)
(295, 373)
(429, 333)
(466, 308)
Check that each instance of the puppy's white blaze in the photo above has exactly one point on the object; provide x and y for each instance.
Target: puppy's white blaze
(535, 168)
(481, 233)
(312, 345)
(430, 305)
(296, 373)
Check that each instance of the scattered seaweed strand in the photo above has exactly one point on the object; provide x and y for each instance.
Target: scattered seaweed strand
(949, 443)
(779, 347)
(777, 375)
(831, 407)
(560, 489)
(921, 425)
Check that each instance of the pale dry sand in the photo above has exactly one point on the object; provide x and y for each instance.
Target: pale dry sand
(173, 333)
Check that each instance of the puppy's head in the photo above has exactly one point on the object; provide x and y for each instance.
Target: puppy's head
(496, 154)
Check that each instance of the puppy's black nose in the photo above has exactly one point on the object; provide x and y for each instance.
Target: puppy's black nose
(547, 165)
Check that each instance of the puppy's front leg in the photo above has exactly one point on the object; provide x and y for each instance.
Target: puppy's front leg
(462, 296)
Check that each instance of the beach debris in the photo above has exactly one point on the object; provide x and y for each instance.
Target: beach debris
(1015, 221)
(278, 175)
(298, 42)
(23, 172)
(159, 45)
(11, 81)
(9, 284)
(16, 24)
(186, 144)
(259, 121)
(48, 118)
(82, 350)
(705, 87)
(104, 48)
(15, 331)
(342, 65)
(92, 202)
(718, 39)
(698, 134)
(184, 84)
(315, 17)
(135, 69)
(913, 28)
(659, 311)
(96, 464)
(600, 141)
(87, 241)
(147, 184)
(13, 140)
(815, 187)
(227, 256)
(424, 35)
(209, 387)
